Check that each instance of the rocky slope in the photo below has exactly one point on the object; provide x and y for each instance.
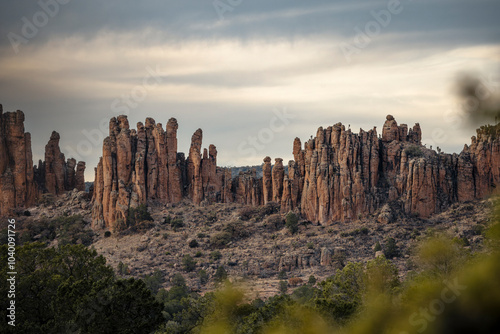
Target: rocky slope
(251, 243)
(336, 176)
(21, 183)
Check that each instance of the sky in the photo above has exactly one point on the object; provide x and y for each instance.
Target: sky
(252, 74)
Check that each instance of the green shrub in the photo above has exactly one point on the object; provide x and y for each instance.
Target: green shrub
(274, 222)
(236, 229)
(247, 212)
(355, 232)
(138, 215)
(178, 280)
(312, 280)
(211, 217)
(67, 229)
(198, 254)
(310, 245)
(220, 274)
(193, 243)
(282, 274)
(215, 255)
(391, 249)
(292, 222)
(220, 240)
(477, 229)
(122, 268)
(269, 209)
(154, 281)
(73, 290)
(414, 151)
(203, 276)
(175, 223)
(377, 247)
(188, 263)
(283, 287)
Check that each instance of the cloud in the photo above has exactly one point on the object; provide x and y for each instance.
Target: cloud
(229, 76)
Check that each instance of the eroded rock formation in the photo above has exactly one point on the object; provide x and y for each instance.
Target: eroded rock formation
(56, 175)
(55, 166)
(349, 175)
(17, 186)
(20, 182)
(336, 176)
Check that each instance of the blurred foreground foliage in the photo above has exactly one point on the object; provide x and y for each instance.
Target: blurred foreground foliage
(450, 291)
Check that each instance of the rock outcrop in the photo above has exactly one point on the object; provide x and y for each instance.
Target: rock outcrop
(17, 186)
(336, 176)
(21, 183)
(143, 165)
(55, 166)
(352, 175)
(56, 175)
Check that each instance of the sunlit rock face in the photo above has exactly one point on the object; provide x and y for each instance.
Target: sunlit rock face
(336, 176)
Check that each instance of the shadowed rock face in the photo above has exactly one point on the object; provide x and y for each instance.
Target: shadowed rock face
(56, 175)
(55, 166)
(17, 186)
(20, 182)
(336, 176)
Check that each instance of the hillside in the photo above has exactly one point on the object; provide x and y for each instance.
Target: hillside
(254, 243)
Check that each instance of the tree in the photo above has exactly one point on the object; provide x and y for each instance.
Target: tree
(283, 287)
(68, 289)
(203, 276)
(172, 299)
(215, 255)
(220, 274)
(188, 263)
(341, 295)
(292, 222)
(282, 274)
(439, 255)
(122, 268)
(154, 281)
(381, 276)
(304, 294)
(125, 306)
(138, 215)
(391, 249)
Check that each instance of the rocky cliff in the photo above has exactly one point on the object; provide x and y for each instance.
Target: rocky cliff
(336, 176)
(20, 181)
(141, 165)
(17, 187)
(56, 175)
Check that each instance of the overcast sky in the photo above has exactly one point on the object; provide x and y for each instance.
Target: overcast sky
(253, 74)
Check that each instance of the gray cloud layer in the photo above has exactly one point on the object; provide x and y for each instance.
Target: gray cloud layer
(227, 76)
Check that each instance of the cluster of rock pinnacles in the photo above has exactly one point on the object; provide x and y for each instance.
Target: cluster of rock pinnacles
(21, 183)
(336, 176)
